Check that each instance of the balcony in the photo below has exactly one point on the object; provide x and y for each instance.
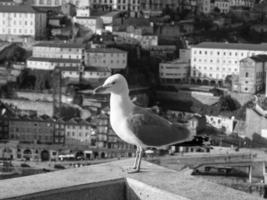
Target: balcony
(110, 181)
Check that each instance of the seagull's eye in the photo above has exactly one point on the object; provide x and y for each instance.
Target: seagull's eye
(113, 83)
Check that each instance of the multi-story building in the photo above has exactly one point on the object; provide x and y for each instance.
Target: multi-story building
(175, 71)
(244, 3)
(123, 5)
(53, 49)
(152, 7)
(51, 63)
(7, 3)
(78, 132)
(58, 3)
(145, 40)
(222, 5)
(251, 77)
(114, 59)
(47, 55)
(94, 24)
(31, 130)
(59, 132)
(212, 61)
(21, 21)
(87, 73)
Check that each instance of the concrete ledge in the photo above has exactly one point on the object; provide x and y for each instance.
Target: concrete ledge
(111, 181)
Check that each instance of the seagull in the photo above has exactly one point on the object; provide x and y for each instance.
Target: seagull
(137, 125)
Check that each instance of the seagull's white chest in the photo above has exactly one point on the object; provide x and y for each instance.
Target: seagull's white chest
(119, 112)
(120, 126)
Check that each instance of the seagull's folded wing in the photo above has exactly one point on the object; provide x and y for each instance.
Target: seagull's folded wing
(153, 130)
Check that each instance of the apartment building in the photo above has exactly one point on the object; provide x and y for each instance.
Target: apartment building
(123, 5)
(21, 21)
(57, 3)
(114, 59)
(88, 73)
(224, 6)
(31, 130)
(175, 71)
(94, 24)
(48, 55)
(212, 61)
(251, 77)
(78, 132)
(40, 63)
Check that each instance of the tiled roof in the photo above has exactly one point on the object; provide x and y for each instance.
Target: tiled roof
(60, 44)
(259, 58)
(57, 60)
(87, 69)
(236, 46)
(17, 9)
(106, 50)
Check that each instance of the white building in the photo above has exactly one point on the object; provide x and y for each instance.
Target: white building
(224, 123)
(56, 3)
(174, 72)
(95, 24)
(21, 21)
(87, 73)
(212, 61)
(50, 63)
(145, 40)
(222, 5)
(58, 50)
(123, 5)
(78, 132)
(112, 20)
(48, 55)
(114, 59)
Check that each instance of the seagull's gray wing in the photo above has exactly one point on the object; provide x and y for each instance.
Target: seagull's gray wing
(154, 130)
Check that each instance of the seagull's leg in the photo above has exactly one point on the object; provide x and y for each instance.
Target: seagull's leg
(139, 154)
(141, 151)
(136, 158)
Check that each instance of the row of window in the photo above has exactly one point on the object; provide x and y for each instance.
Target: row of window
(217, 61)
(215, 68)
(19, 15)
(118, 1)
(16, 31)
(224, 53)
(206, 75)
(22, 23)
(50, 50)
(73, 134)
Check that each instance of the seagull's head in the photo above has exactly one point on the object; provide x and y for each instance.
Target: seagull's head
(116, 84)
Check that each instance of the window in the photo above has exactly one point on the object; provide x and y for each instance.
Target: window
(246, 74)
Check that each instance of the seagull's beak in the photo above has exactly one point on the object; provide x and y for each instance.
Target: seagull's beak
(101, 89)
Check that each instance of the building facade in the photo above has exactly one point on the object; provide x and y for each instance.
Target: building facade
(114, 59)
(48, 55)
(21, 21)
(251, 77)
(122, 5)
(31, 130)
(212, 62)
(78, 132)
(176, 71)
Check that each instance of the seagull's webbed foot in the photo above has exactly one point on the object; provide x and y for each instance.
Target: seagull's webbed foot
(133, 170)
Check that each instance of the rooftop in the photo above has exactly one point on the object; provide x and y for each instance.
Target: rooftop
(60, 44)
(259, 58)
(86, 68)
(236, 46)
(17, 9)
(106, 50)
(111, 181)
(58, 60)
